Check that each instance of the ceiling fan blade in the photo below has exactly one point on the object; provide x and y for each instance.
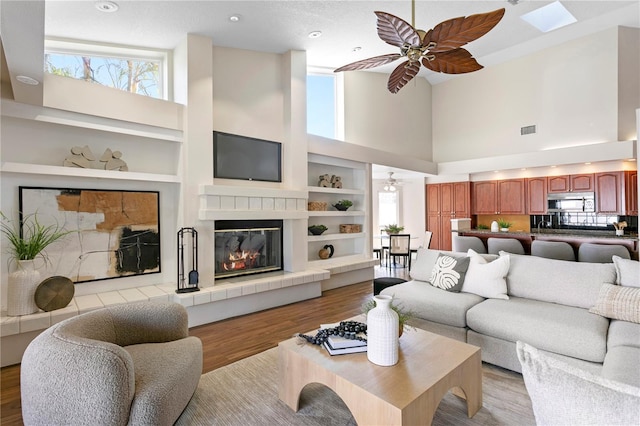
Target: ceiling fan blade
(396, 31)
(402, 75)
(456, 32)
(364, 64)
(457, 61)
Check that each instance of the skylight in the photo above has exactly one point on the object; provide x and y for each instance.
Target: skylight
(549, 17)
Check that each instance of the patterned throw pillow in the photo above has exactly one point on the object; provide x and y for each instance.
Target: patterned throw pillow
(448, 272)
(618, 302)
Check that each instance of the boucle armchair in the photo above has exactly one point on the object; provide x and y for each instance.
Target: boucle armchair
(128, 364)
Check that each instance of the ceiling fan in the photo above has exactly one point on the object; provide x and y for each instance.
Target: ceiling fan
(391, 183)
(439, 48)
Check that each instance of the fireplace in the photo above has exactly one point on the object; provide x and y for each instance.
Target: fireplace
(244, 247)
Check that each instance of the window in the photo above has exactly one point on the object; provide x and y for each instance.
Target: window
(387, 208)
(133, 70)
(324, 104)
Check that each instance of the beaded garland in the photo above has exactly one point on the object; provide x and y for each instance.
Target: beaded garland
(347, 329)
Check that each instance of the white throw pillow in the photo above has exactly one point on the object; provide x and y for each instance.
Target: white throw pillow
(486, 279)
(628, 271)
(562, 394)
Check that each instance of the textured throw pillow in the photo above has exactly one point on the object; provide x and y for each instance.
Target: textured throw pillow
(618, 302)
(448, 272)
(562, 394)
(628, 271)
(486, 279)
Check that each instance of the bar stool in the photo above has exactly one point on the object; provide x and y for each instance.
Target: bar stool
(463, 244)
(601, 253)
(510, 245)
(553, 250)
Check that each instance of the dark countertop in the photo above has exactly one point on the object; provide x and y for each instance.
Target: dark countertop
(572, 233)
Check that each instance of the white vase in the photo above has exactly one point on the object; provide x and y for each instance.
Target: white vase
(22, 289)
(382, 332)
(494, 226)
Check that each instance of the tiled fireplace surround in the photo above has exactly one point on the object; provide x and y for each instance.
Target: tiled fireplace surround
(233, 296)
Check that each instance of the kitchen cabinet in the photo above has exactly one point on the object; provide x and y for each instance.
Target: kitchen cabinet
(571, 183)
(609, 188)
(499, 197)
(631, 189)
(536, 195)
(445, 201)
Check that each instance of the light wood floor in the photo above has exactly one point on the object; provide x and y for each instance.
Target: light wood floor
(230, 340)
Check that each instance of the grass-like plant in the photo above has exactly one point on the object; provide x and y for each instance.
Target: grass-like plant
(345, 203)
(404, 315)
(393, 228)
(504, 224)
(29, 241)
(482, 226)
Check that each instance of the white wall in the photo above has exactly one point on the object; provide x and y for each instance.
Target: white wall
(570, 92)
(376, 118)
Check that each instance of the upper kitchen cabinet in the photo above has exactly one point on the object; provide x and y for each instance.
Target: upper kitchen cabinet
(499, 197)
(536, 195)
(609, 188)
(570, 183)
(631, 187)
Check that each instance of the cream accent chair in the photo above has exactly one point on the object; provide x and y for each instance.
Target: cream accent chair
(127, 364)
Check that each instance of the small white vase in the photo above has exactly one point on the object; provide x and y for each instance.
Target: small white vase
(21, 291)
(619, 232)
(382, 332)
(494, 226)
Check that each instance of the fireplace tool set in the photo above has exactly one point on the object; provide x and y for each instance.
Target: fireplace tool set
(187, 282)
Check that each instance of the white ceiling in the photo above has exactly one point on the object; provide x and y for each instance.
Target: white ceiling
(279, 26)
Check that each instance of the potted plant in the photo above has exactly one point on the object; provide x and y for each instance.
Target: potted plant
(343, 205)
(404, 315)
(26, 243)
(393, 228)
(317, 229)
(504, 225)
(482, 226)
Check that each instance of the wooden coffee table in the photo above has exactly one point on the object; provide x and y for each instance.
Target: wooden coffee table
(407, 393)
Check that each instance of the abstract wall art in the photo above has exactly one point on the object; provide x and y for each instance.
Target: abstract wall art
(115, 233)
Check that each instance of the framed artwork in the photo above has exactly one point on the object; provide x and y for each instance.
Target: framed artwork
(115, 233)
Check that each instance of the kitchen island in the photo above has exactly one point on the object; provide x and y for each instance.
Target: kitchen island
(572, 236)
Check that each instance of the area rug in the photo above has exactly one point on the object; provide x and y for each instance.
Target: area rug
(246, 393)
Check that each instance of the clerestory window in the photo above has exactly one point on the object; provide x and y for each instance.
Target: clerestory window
(325, 104)
(139, 71)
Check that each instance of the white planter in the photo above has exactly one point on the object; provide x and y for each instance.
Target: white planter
(22, 289)
(619, 232)
(382, 332)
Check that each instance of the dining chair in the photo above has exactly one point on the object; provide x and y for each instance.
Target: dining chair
(399, 246)
(425, 243)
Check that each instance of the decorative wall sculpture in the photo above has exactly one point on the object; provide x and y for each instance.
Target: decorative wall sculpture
(118, 232)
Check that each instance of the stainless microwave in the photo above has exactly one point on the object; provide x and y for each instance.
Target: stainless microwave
(571, 202)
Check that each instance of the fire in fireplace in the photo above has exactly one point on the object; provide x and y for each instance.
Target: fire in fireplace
(245, 247)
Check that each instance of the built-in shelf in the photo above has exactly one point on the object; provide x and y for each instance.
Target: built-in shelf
(38, 169)
(343, 191)
(336, 213)
(86, 121)
(332, 237)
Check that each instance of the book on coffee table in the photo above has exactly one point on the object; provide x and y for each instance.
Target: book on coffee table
(338, 342)
(342, 351)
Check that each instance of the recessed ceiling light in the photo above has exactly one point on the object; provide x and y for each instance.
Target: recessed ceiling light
(315, 34)
(106, 6)
(27, 80)
(549, 17)
(234, 18)
(357, 49)
(587, 163)
(631, 159)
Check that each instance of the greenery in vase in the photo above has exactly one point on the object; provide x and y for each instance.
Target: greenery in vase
(32, 240)
(504, 224)
(404, 315)
(393, 228)
(317, 229)
(481, 226)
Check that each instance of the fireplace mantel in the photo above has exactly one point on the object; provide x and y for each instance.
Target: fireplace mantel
(218, 202)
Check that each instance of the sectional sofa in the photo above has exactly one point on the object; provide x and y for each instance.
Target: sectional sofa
(578, 312)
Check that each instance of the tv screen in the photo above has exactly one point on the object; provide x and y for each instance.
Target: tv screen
(241, 157)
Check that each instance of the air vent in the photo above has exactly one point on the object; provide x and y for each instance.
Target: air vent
(527, 130)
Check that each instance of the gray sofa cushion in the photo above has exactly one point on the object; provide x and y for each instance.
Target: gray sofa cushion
(621, 364)
(623, 333)
(558, 281)
(433, 304)
(555, 328)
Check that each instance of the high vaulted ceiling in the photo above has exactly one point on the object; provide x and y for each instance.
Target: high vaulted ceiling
(279, 26)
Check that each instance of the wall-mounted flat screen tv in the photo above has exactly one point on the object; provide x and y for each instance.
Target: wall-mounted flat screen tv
(241, 157)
